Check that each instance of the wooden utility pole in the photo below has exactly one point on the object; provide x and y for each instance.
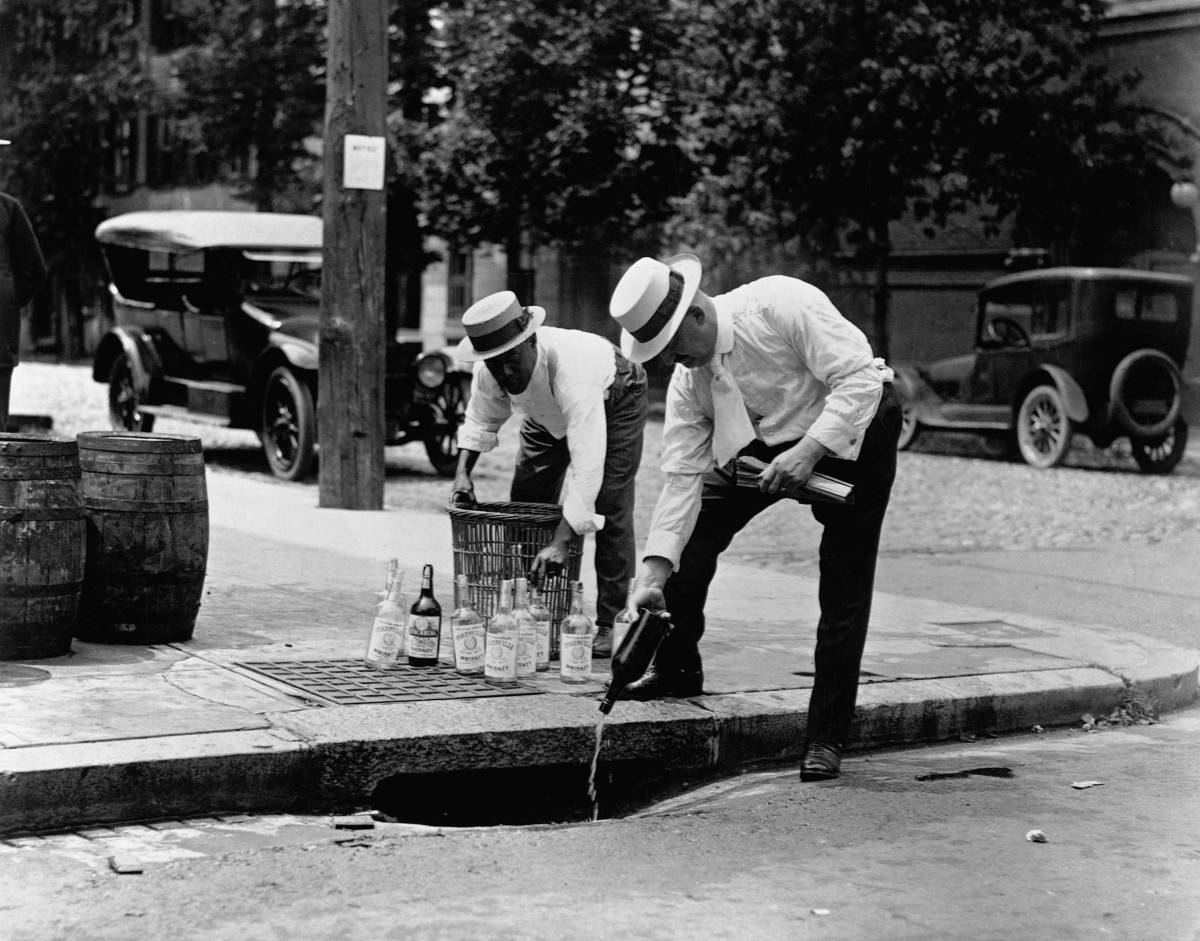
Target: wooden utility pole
(350, 415)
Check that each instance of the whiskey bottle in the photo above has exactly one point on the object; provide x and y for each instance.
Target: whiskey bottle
(424, 624)
(575, 641)
(500, 655)
(542, 627)
(466, 630)
(526, 629)
(385, 645)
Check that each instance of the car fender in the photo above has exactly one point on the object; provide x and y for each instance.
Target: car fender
(139, 350)
(300, 353)
(1070, 390)
(913, 390)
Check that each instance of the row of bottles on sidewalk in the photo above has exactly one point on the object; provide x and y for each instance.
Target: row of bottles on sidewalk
(514, 642)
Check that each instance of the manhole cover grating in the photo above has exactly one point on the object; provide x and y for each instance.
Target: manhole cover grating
(352, 682)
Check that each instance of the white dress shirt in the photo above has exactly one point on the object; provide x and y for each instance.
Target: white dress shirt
(802, 369)
(566, 397)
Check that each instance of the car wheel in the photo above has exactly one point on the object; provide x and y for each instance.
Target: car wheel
(1043, 429)
(289, 428)
(1161, 455)
(124, 406)
(1146, 393)
(449, 410)
(909, 426)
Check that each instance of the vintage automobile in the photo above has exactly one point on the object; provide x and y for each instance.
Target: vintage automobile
(1097, 351)
(216, 318)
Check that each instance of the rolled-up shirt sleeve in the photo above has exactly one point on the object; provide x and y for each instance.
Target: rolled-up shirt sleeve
(686, 458)
(582, 404)
(838, 354)
(488, 409)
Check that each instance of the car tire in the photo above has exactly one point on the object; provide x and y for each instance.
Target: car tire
(1146, 376)
(1044, 431)
(449, 411)
(288, 425)
(909, 426)
(1161, 455)
(124, 405)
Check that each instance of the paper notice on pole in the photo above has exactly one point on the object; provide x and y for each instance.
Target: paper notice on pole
(362, 162)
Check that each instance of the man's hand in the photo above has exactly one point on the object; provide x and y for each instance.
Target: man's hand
(550, 561)
(791, 468)
(463, 494)
(651, 579)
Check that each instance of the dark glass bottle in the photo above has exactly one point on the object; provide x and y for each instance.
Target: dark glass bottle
(637, 650)
(424, 624)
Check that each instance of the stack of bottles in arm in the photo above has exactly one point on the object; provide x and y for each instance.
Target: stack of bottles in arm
(511, 644)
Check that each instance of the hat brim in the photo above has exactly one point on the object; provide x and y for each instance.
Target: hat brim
(467, 353)
(689, 267)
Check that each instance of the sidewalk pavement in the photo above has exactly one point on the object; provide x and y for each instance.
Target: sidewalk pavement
(117, 733)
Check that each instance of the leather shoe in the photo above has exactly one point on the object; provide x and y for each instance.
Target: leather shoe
(821, 762)
(602, 642)
(664, 684)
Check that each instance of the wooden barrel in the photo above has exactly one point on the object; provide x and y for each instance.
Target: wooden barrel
(41, 546)
(146, 503)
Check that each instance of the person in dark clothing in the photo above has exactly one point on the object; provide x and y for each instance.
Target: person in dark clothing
(771, 371)
(22, 274)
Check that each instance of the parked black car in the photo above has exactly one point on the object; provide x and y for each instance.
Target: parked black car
(216, 319)
(1097, 351)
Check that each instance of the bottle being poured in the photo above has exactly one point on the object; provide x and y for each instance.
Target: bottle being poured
(632, 658)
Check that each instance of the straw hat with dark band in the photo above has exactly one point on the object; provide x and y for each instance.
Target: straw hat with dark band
(494, 326)
(651, 300)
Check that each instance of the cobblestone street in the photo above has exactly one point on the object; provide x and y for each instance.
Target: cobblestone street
(943, 502)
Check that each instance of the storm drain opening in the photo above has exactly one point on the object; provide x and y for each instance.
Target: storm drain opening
(546, 794)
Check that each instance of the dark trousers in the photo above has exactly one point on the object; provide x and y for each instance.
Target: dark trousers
(542, 465)
(849, 548)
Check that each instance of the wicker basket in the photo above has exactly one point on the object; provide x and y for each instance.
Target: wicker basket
(494, 541)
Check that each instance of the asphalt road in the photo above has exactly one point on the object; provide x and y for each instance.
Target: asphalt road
(887, 852)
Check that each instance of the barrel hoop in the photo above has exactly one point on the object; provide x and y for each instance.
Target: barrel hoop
(138, 442)
(39, 473)
(31, 446)
(101, 469)
(52, 590)
(160, 508)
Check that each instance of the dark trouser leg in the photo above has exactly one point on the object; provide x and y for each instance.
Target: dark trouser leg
(616, 549)
(5, 388)
(724, 510)
(849, 549)
(541, 465)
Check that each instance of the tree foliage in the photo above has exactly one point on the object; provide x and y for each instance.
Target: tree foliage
(253, 81)
(559, 126)
(72, 71)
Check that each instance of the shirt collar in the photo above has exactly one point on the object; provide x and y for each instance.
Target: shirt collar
(724, 343)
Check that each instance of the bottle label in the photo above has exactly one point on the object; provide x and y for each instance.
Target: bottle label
(526, 648)
(423, 632)
(542, 629)
(501, 656)
(386, 643)
(575, 655)
(468, 645)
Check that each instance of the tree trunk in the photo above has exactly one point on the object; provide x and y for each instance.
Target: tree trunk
(350, 406)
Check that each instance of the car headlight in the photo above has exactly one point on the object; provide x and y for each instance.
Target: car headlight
(431, 371)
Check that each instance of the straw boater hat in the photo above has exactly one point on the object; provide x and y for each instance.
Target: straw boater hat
(650, 301)
(493, 326)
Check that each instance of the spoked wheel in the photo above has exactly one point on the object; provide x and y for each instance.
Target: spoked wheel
(448, 412)
(1160, 455)
(288, 430)
(124, 406)
(1043, 428)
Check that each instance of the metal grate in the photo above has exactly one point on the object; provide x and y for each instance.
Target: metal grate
(353, 682)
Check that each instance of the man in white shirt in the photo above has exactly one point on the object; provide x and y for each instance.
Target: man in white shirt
(583, 410)
(770, 370)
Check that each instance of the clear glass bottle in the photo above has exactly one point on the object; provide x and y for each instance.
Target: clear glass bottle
(542, 627)
(385, 645)
(526, 629)
(424, 624)
(623, 618)
(500, 656)
(445, 654)
(466, 630)
(575, 641)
